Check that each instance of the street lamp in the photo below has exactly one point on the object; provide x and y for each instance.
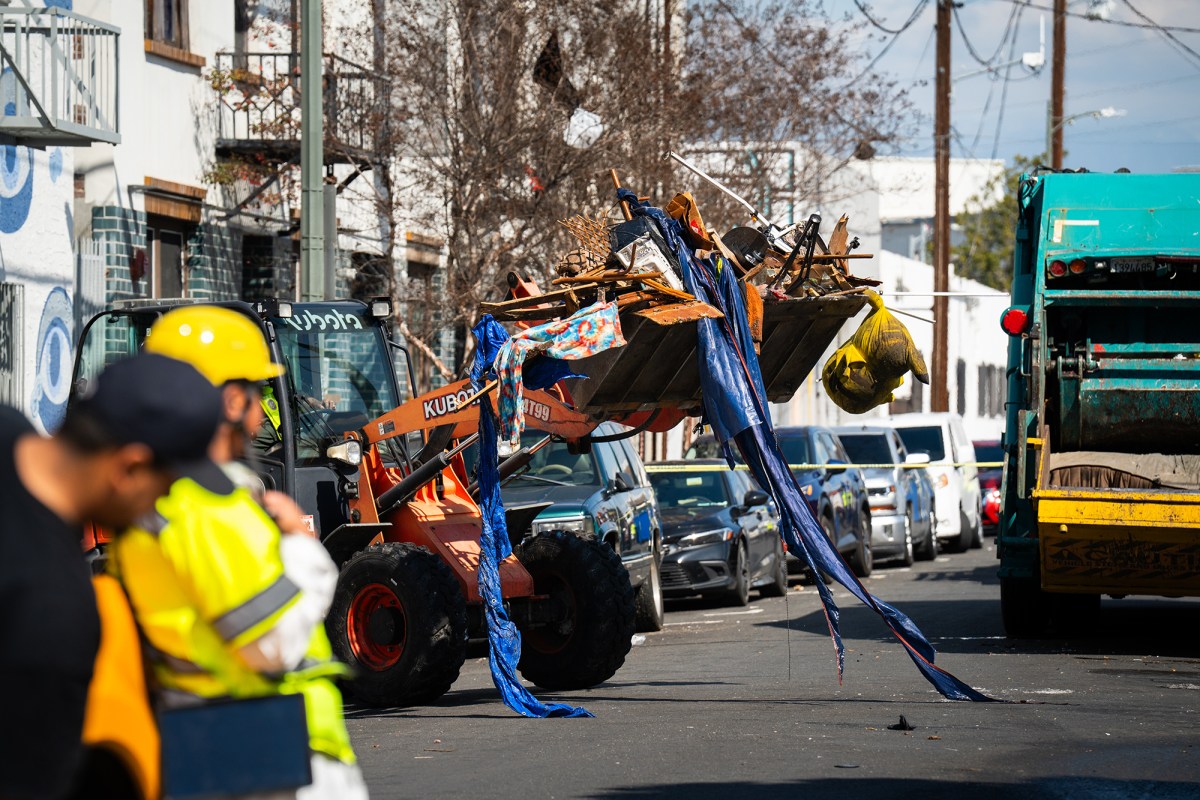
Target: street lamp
(1099, 113)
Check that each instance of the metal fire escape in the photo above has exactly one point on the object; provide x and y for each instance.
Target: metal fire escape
(259, 108)
(58, 78)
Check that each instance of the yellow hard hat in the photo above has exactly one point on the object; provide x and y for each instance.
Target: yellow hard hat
(219, 342)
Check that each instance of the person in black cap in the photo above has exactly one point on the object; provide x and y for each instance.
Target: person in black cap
(117, 452)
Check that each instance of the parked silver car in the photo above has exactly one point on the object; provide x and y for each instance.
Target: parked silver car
(902, 518)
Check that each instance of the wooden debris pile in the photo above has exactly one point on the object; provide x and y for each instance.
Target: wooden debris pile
(798, 291)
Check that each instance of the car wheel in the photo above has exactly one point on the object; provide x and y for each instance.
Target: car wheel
(648, 602)
(862, 561)
(907, 556)
(740, 593)
(930, 547)
(977, 534)
(965, 534)
(779, 586)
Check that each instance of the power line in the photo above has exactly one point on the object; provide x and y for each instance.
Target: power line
(895, 37)
(1004, 92)
(1122, 22)
(865, 9)
(1008, 31)
(1170, 37)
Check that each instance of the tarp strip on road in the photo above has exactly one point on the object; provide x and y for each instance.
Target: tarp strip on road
(735, 405)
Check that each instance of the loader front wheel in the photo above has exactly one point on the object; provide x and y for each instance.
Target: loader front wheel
(591, 598)
(399, 618)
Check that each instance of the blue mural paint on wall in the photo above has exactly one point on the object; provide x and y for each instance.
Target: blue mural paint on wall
(63, 4)
(52, 373)
(16, 165)
(55, 159)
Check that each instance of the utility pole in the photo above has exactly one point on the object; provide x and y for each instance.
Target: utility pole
(939, 399)
(1058, 68)
(312, 155)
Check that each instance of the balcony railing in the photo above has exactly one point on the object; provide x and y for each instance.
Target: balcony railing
(259, 106)
(58, 78)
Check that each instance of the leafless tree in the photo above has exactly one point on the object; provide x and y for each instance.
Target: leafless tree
(483, 91)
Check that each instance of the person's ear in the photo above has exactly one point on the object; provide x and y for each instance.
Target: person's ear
(132, 463)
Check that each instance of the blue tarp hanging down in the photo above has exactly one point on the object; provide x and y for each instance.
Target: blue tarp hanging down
(504, 640)
(735, 405)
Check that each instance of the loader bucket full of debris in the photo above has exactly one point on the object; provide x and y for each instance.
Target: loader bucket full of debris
(798, 287)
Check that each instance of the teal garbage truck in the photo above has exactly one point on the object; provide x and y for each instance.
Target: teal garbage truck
(1101, 490)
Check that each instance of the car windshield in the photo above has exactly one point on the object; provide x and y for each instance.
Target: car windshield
(794, 446)
(796, 449)
(338, 371)
(690, 490)
(866, 448)
(554, 464)
(924, 440)
(988, 451)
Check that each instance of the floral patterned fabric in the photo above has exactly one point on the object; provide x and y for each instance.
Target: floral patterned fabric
(588, 331)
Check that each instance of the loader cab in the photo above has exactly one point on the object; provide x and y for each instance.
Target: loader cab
(341, 373)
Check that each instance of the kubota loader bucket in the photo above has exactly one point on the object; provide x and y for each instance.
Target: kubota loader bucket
(658, 367)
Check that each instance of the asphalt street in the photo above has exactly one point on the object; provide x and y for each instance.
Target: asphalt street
(740, 702)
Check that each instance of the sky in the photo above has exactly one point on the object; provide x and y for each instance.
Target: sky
(1135, 70)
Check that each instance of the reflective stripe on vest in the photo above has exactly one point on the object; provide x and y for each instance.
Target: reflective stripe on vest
(262, 606)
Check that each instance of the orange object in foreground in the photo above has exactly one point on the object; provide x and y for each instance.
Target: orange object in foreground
(119, 718)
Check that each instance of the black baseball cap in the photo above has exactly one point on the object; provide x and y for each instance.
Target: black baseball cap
(149, 399)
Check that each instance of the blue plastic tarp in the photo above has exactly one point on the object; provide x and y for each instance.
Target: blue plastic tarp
(735, 405)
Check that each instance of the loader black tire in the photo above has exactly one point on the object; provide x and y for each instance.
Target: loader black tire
(590, 644)
(399, 619)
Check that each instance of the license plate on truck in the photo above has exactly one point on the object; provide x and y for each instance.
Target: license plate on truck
(1137, 264)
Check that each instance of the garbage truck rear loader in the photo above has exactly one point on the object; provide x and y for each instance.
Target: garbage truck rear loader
(1101, 492)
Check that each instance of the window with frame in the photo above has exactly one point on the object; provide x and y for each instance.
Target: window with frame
(167, 21)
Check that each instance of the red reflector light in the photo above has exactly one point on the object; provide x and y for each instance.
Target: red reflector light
(1014, 320)
(1078, 266)
(1058, 269)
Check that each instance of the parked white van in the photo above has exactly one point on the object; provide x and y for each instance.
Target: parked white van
(952, 469)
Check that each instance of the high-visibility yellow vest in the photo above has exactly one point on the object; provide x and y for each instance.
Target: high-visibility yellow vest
(209, 580)
(270, 407)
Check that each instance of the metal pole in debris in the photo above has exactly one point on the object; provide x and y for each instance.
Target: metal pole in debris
(312, 154)
(939, 396)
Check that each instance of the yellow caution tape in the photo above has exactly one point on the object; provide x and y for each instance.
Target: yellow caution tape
(722, 467)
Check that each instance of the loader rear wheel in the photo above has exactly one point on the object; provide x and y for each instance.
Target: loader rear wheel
(399, 618)
(586, 580)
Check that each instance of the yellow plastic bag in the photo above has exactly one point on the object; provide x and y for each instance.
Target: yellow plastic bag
(863, 373)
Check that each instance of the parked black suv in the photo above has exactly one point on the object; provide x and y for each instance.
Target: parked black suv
(605, 493)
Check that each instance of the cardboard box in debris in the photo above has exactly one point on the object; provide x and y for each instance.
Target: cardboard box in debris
(629, 262)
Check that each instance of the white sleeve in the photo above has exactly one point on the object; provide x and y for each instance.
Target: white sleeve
(309, 567)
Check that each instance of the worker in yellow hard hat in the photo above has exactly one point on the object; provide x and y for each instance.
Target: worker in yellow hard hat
(229, 606)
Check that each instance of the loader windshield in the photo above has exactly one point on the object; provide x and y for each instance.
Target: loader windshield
(338, 369)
